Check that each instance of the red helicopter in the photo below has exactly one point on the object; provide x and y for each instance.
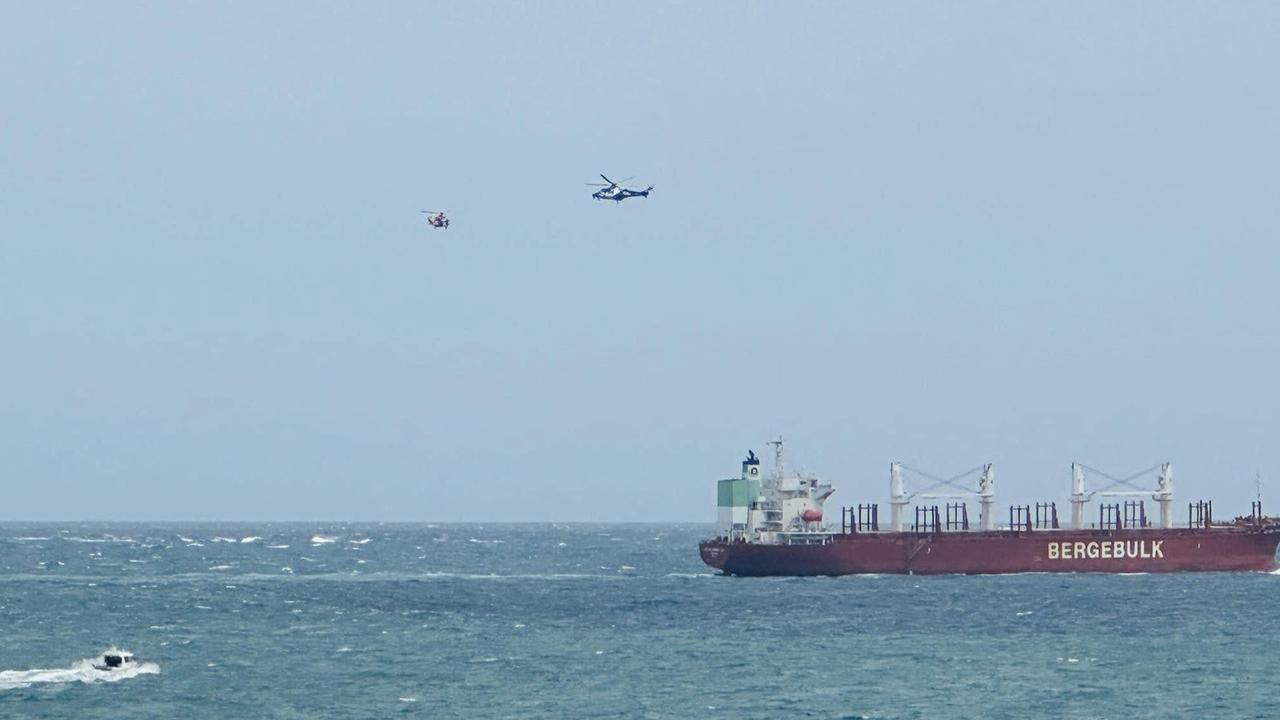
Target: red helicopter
(436, 219)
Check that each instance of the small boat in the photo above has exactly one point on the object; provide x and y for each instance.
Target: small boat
(115, 659)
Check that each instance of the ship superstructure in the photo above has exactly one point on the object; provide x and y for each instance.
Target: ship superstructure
(779, 507)
(775, 525)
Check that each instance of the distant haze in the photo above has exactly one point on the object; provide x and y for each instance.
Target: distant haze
(945, 234)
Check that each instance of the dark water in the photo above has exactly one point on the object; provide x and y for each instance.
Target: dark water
(569, 621)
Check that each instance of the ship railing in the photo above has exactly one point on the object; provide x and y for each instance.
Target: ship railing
(1020, 518)
(928, 521)
(1200, 513)
(1109, 517)
(1255, 518)
(957, 516)
(806, 538)
(1046, 516)
(863, 518)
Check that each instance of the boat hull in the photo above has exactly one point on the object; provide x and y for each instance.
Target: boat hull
(993, 552)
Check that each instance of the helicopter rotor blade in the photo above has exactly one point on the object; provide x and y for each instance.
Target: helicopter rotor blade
(608, 180)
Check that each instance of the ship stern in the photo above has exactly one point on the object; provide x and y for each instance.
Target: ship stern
(714, 553)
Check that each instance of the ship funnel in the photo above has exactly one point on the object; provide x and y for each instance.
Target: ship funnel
(751, 466)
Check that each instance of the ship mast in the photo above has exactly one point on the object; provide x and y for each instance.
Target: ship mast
(777, 458)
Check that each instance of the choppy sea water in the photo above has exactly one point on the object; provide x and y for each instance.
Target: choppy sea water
(588, 621)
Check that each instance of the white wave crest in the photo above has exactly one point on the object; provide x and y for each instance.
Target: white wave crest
(106, 539)
(81, 671)
(252, 538)
(322, 539)
(361, 541)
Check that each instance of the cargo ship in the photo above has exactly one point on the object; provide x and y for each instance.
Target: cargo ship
(774, 525)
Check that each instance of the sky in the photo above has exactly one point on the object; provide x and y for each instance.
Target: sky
(1026, 233)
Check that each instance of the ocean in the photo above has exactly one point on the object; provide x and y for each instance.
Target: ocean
(325, 620)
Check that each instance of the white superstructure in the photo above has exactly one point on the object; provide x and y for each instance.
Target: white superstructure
(761, 508)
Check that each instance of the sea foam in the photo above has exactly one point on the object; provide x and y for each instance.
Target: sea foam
(82, 671)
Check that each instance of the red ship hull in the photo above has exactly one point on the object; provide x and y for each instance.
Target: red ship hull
(991, 552)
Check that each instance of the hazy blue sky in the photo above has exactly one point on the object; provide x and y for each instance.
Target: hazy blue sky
(941, 233)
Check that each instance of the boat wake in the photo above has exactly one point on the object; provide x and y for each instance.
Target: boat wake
(82, 671)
